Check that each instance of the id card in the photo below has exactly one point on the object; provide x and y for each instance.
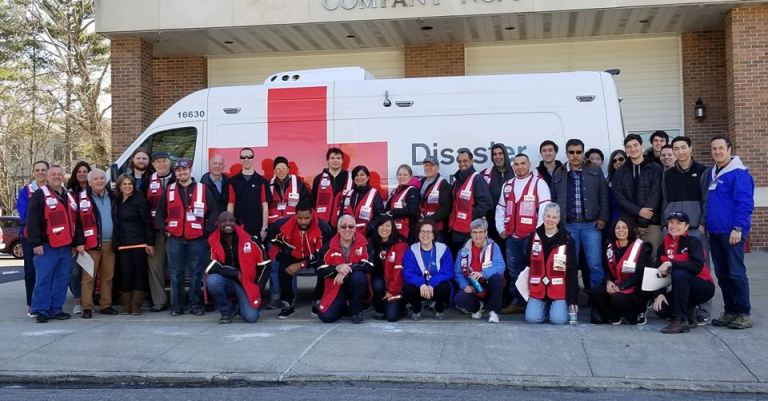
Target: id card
(628, 267)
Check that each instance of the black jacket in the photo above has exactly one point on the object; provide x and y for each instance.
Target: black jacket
(221, 198)
(544, 173)
(548, 244)
(133, 224)
(696, 256)
(647, 193)
(682, 191)
(594, 192)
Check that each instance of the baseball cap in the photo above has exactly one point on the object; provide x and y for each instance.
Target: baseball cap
(430, 159)
(160, 154)
(679, 216)
(186, 163)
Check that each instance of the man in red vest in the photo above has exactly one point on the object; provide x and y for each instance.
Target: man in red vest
(330, 186)
(51, 221)
(158, 182)
(471, 199)
(435, 197)
(519, 211)
(188, 212)
(234, 248)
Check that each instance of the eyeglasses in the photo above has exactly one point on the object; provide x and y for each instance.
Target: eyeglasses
(618, 159)
(575, 152)
(246, 157)
(347, 227)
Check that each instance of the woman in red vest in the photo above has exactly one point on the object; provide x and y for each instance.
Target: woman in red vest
(403, 204)
(620, 299)
(685, 259)
(386, 249)
(552, 282)
(363, 202)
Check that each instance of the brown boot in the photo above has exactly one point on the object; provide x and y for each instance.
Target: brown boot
(676, 327)
(136, 301)
(125, 303)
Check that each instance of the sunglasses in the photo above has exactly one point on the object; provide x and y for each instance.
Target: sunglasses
(347, 227)
(618, 159)
(246, 157)
(575, 152)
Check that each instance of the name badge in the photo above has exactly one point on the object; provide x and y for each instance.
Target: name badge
(322, 209)
(560, 258)
(713, 186)
(293, 199)
(365, 213)
(88, 233)
(557, 281)
(399, 226)
(433, 198)
(536, 248)
(85, 205)
(173, 224)
(526, 220)
(154, 186)
(51, 202)
(199, 212)
(558, 266)
(529, 198)
(196, 226)
(628, 267)
(461, 215)
(466, 194)
(191, 217)
(198, 205)
(325, 182)
(282, 206)
(535, 280)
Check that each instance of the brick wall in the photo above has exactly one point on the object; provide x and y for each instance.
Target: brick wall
(434, 60)
(746, 43)
(703, 56)
(131, 90)
(176, 77)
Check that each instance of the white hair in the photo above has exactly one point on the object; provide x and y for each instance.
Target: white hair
(346, 217)
(96, 172)
(480, 224)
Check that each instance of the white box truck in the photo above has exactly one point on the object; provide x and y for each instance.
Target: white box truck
(385, 123)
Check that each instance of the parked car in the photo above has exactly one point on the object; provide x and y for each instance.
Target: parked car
(9, 236)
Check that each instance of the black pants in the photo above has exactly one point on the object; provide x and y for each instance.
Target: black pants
(471, 302)
(391, 309)
(134, 269)
(286, 285)
(349, 299)
(458, 240)
(613, 307)
(688, 291)
(441, 296)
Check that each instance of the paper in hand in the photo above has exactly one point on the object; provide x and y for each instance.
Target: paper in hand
(651, 282)
(522, 282)
(86, 262)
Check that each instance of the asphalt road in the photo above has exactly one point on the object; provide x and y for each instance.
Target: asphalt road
(345, 392)
(10, 269)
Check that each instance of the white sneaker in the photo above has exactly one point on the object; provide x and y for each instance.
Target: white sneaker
(493, 318)
(77, 310)
(478, 315)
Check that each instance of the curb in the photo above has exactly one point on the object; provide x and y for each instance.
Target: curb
(245, 379)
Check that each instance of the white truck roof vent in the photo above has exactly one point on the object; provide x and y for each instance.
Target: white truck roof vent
(320, 75)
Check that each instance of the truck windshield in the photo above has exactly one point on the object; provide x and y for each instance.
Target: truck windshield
(178, 142)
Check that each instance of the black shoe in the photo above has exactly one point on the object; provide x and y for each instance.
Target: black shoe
(357, 318)
(87, 314)
(41, 318)
(225, 319)
(197, 311)
(108, 311)
(676, 327)
(61, 316)
(692, 318)
(286, 313)
(158, 308)
(177, 312)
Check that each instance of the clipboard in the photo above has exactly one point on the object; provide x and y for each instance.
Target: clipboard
(651, 282)
(522, 282)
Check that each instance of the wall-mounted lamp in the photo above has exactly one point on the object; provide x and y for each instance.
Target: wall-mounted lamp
(699, 110)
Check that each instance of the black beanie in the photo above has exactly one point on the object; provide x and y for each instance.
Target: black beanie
(278, 160)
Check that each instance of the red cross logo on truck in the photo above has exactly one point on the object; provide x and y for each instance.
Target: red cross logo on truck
(297, 128)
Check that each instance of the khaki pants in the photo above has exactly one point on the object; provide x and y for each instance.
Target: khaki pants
(157, 272)
(104, 269)
(653, 237)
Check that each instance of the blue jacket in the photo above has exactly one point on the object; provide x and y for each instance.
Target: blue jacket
(497, 263)
(439, 272)
(730, 202)
(22, 203)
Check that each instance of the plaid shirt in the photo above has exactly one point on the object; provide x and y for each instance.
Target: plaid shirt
(576, 203)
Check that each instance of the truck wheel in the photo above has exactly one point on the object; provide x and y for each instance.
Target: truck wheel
(17, 250)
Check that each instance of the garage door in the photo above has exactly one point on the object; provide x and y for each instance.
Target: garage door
(650, 81)
(254, 70)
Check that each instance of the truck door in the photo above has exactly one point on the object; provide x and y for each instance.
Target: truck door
(180, 141)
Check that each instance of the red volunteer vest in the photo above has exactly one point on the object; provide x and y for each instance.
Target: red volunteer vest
(431, 201)
(471, 262)
(59, 219)
(403, 224)
(672, 254)
(306, 243)
(248, 255)
(284, 205)
(88, 219)
(154, 192)
(185, 222)
(334, 256)
(521, 214)
(327, 204)
(363, 211)
(463, 201)
(393, 269)
(625, 267)
(546, 280)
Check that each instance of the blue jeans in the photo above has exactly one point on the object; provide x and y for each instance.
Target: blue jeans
(185, 256)
(536, 311)
(587, 235)
(75, 279)
(53, 269)
(731, 273)
(222, 289)
(516, 249)
(29, 267)
(274, 282)
(391, 310)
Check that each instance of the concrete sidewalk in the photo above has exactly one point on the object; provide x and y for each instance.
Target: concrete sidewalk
(155, 348)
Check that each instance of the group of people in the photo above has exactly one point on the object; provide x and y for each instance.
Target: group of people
(507, 239)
